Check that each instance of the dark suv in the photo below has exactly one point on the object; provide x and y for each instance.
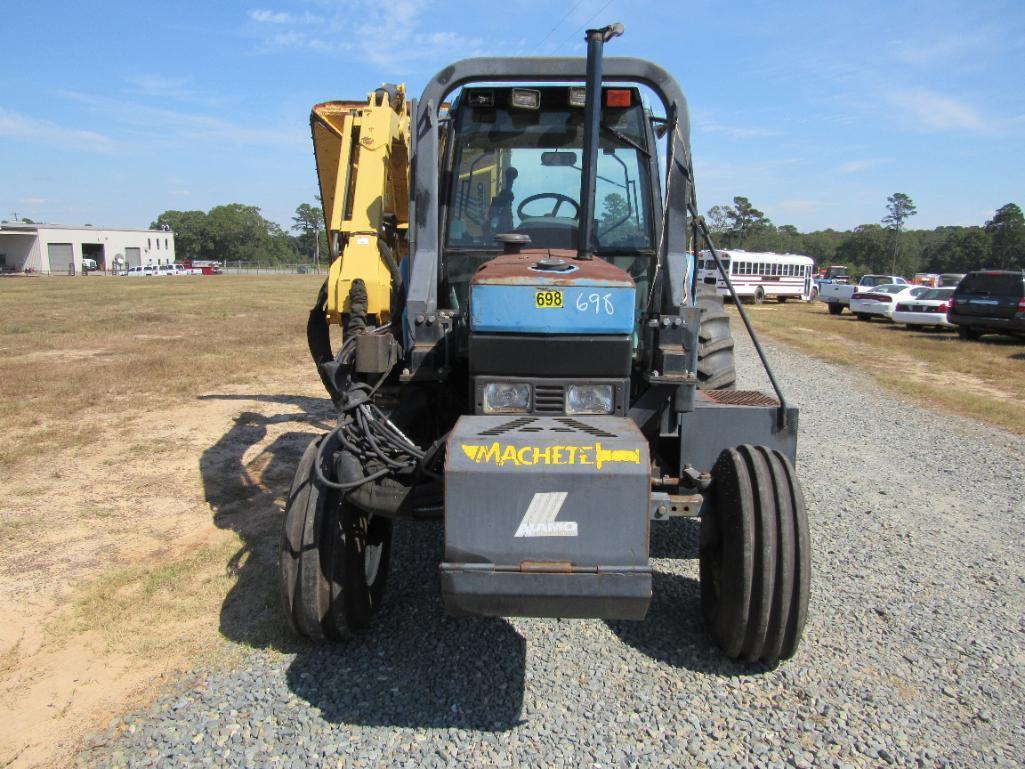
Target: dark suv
(989, 302)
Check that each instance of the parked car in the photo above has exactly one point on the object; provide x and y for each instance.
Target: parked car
(989, 302)
(951, 279)
(930, 279)
(881, 300)
(928, 309)
(836, 273)
(838, 295)
(145, 271)
(89, 265)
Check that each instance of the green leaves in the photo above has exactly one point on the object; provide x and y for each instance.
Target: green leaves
(885, 248)
(234, 232)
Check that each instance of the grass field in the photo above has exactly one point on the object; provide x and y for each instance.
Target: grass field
(74, 351)
(984, 380)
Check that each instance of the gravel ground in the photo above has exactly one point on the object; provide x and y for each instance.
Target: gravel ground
(913, 654)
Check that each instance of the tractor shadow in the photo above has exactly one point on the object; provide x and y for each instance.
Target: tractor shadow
(673, 632)
(401, 672)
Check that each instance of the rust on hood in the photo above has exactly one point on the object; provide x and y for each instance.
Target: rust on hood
(526, 268)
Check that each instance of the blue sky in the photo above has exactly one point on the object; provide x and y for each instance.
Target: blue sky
(113, 112)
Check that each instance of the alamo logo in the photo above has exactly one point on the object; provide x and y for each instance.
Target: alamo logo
(528, 456)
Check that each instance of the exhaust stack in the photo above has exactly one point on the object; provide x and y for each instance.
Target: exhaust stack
(596, 39)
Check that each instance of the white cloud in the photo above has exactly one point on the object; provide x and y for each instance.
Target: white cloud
(864, 164)
(158, 85)
(33, 201)
(282, 17)
(16, 126)
(942, 49)
(931, 111)
(798, 205)
(162, 122)
(270, 17)
(705, 123)
(409, 41)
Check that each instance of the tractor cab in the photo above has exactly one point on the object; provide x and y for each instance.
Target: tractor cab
(515, 156)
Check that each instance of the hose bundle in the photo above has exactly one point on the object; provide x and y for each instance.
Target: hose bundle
(364, 431)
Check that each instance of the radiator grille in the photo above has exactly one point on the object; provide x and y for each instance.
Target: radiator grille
(549, 399)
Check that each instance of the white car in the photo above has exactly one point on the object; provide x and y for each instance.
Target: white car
(928, 309)
(146, 271)
(880, 301)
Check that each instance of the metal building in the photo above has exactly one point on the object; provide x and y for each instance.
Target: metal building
(58, 249)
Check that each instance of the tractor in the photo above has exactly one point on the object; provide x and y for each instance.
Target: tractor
(546, 378)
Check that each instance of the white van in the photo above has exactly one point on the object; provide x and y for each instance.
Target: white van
(142, 272)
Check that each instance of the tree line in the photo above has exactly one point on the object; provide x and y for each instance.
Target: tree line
(237, 232)
(887, 247)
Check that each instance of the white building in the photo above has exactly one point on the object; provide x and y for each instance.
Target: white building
(58, 249)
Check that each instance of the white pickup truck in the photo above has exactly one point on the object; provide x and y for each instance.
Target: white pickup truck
(838, 295)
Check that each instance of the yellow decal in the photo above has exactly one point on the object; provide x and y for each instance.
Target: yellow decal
(527, 456)
(544, 299)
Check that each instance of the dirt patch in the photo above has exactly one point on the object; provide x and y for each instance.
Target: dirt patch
(121, 557)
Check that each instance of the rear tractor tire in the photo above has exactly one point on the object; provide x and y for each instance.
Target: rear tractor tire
(716, 366)
(333, 560)
(755, 556)
(835, 308)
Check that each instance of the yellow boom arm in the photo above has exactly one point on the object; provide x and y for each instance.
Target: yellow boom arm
(362, 153)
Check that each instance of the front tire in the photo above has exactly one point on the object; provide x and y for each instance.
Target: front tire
(759, 295)
(835, 308)
(968, 334)
(302, 565)
(755, 556)
(716, 364)
(333, 560)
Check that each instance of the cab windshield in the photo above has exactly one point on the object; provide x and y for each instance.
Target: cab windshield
(518, 171)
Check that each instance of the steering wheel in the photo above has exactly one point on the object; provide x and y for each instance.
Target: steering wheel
(559, 200)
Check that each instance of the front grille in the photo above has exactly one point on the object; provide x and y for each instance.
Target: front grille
(549, 399)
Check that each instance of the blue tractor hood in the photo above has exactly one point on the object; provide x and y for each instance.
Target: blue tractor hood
(546, 291)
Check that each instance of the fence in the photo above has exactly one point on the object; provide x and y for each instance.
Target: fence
(254, 268)
(228, 268)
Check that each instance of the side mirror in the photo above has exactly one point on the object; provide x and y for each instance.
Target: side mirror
(557, 158)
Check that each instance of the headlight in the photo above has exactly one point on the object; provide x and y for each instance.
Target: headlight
(506, 398)
(589, 399)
